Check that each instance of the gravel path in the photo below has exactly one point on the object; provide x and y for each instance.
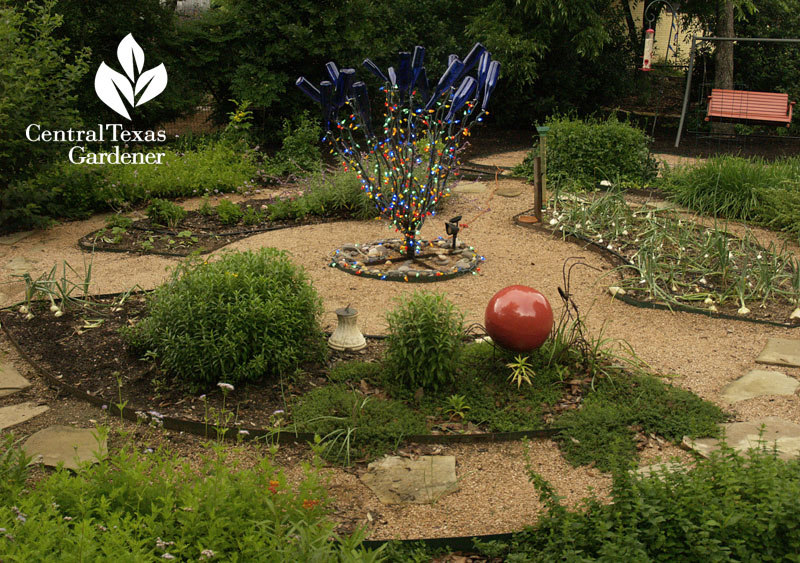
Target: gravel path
(703, 354)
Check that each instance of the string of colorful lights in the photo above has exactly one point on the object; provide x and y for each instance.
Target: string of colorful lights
(404, 167)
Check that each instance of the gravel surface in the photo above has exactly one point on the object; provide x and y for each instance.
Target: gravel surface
(699, 353)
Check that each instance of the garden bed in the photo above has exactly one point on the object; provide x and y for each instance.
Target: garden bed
(82, 350)
(198, 233)
(666, 259)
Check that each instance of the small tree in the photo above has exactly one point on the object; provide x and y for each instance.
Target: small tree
(405, 163)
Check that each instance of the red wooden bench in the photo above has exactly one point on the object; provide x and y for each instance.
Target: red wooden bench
(765, 107)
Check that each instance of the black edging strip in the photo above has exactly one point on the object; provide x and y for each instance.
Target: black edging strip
(281, 437)
(616, 259)
(455, 543)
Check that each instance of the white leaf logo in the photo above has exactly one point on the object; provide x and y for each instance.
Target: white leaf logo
(115, 88)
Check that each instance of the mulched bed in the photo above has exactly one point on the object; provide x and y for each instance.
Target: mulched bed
(91, 356)
(196, 234)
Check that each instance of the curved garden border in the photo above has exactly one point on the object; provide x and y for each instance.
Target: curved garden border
(353, 259)
(281, 436)
(617, 259)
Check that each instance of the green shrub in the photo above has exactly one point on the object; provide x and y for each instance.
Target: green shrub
(39, 81)
(587, 152)
(73, 191)
(248, 317)
(730, 507)
(165, 213)
(118, 221)
(353, 425)
(228, 212)
(300, 150)
(155, 507)
(424, 341)
(602, 431)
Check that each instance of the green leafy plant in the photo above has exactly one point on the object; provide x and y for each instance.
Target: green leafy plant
(205, 208)
(520, 370)
(424, 341)
(456, 406)
(165, 213)
(228, 212)
(154, 507)
(252, 216)
(249, 316)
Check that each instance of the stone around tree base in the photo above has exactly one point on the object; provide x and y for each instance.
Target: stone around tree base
(780, 352)
(399, 480)
(742, 436)
(757, 383)
(16, 414)
(10, 380)
(64, 444)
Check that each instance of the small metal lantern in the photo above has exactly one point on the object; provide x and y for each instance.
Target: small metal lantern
(347, 337)
(451, 228)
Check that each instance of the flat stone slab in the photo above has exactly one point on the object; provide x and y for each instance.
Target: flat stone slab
(510, 158)
(780, 352)
(399, 480)
(19, 265)
(14, 238)
(10, 380)
(16, 414)
(510, 191)
(741, 436)
(757, 383)
(64, 444)
(470, 188)
(658, 469)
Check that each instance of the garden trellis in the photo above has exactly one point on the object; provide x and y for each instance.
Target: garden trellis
(404, 165)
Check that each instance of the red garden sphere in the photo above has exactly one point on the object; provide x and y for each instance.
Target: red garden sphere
(519, 318)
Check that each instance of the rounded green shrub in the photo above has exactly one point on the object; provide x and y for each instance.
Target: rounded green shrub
(592, 150)
(424, 341)
(247, 317)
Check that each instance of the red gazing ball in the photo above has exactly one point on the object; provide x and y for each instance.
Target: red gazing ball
(519, 318)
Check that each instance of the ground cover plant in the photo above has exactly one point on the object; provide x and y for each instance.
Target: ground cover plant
(170, 229)
(748, 189)
(586, 152)
(155, 507)
(669, 259)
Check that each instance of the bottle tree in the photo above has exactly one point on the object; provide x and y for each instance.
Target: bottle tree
(405, 162)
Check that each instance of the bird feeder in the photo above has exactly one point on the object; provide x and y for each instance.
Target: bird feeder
(647, 57)
(347, 337)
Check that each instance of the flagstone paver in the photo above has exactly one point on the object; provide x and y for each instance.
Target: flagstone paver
(399, 480)
(657, 469)
(511, 158)
(780, 352)
(19, 265)
(757, 383)
(64, 444)
(14, 238)
(742, 436)
(470, 188)
(510, 191)
(10, 380)
(16, 414)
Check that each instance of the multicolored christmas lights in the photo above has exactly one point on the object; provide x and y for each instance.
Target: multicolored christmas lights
(404, 165)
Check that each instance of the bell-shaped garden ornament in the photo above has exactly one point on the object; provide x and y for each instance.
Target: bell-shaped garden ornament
(647, 58)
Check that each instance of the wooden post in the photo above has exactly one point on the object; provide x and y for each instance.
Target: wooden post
(537, 188)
